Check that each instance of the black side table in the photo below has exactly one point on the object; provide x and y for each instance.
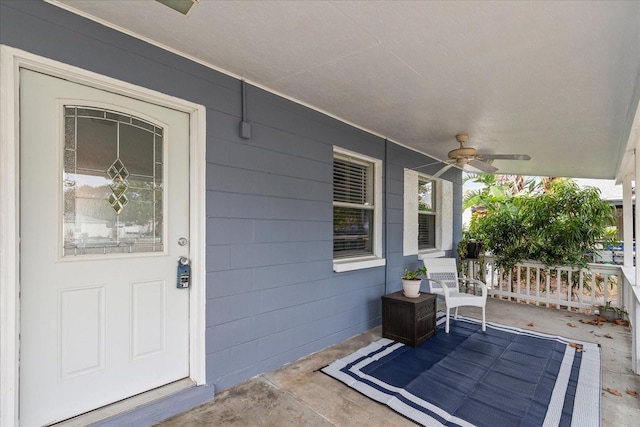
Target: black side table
(410, 321)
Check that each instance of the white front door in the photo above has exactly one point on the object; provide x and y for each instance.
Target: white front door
(104, 214)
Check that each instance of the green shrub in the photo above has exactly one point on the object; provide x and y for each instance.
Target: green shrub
(558, 226)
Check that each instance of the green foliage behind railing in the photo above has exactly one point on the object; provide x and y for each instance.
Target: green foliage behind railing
(558, 226)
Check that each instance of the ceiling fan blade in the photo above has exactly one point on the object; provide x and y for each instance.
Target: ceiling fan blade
(504, 157)
(426, 164)
(482, 166)
(441, 171)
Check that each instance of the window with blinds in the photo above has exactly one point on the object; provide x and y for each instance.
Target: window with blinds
(426, 214)
(352, 207)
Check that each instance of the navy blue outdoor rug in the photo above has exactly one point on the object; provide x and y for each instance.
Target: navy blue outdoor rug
(503, 377)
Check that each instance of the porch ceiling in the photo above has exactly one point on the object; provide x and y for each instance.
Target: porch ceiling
(559, 81)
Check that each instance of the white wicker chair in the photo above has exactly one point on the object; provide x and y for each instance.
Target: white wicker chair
(442, 274)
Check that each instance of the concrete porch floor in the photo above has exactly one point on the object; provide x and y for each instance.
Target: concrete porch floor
(299, 394)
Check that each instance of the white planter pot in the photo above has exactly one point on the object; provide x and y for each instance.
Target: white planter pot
(610, 315)
(411, 288)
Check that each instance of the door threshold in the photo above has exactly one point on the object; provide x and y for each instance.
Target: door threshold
(125, 405)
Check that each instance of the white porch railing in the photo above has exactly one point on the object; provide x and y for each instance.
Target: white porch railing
(558, 287)
(568, 288)
(632, 299)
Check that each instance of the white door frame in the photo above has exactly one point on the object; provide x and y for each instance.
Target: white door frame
(11, 60)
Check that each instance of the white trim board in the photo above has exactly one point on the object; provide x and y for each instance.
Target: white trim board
(11, 60)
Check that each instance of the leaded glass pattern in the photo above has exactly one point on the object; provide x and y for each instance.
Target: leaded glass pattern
(112, 183)
(118, 174)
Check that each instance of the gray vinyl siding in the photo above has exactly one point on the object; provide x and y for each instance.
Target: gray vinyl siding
(272, 295)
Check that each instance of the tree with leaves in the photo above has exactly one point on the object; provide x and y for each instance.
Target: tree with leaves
(553, 221)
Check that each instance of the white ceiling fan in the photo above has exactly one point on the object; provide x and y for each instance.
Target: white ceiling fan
(469, 156)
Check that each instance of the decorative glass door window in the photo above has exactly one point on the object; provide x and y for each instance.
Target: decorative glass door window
(112, 183)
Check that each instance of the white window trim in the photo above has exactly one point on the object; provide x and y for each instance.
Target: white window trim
(350, 264)
(375, 260)
(444, 216)
(431, 253)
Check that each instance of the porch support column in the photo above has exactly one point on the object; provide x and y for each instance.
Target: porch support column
(633, 294)
(630, 301)
(627, 220)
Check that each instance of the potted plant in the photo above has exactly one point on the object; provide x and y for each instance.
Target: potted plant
(471, 248)
(411, 280)
(611, 313)
(607, 311)
(474, 249)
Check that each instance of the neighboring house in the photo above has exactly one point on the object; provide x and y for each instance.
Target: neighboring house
(296, 230)
(87, 226)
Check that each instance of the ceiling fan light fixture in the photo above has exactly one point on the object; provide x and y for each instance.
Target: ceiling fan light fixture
(462, 152)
